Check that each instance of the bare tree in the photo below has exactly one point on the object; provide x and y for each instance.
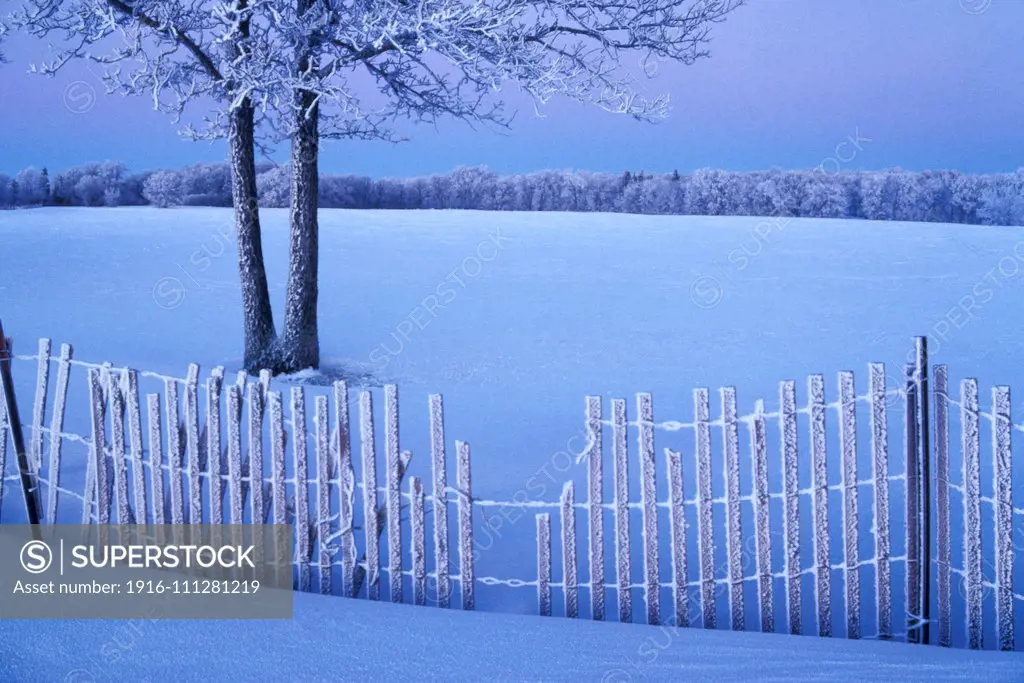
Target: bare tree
(351, 69)
(176, 53)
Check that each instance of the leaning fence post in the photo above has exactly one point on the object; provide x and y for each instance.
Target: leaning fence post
(60, 403)
(1004, 515)
(569, 580)
(28, 484)
(467, 576)
(544, 564)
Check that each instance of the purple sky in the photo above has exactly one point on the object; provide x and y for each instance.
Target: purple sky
(931, 84)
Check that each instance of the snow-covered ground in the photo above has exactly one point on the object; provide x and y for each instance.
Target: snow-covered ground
(332, 639)
(515, 317)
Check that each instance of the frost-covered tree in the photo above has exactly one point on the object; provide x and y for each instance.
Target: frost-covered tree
(427, 60)
(178, 53)
(163, 189)
(6, 191)
(31, 187)
(90, 190)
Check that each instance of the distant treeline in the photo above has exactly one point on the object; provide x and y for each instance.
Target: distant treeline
(892, 194)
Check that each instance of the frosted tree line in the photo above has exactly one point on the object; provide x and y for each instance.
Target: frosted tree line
(890, 195)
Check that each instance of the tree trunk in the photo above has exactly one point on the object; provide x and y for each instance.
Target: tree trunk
(260, 337)
(300, 343)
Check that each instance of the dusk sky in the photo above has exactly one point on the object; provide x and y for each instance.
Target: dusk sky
(930, 83)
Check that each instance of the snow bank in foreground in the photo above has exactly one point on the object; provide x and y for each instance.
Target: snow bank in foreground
(332, 639)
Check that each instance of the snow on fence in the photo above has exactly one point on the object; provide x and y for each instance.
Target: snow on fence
(191, 469)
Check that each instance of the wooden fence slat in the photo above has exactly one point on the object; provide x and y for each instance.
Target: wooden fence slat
(60, 403)
(134, 413)
(323, 494)
(925, 481)
(677, 522)
(99, 456)
(214, 384)
(394, 491)
(942, 522)
(278, 491)
(347, 493)
(156, 458)
(371, 534)
(649, 502)
(235, 453)
(971, 444)
(791, 493)
(705, 506)
(440, 475)
(819, 464)
(467, 575)
(117, 448)
(39, 407)
(278, 466)
(304, 547)
(880, 459)
(257, 512)
(622, 568)
(1003, 487)
(733, 511)
(848, 448)
(762, 519)
(595, 495)
(913, 509)
(419, 542)
(174, 454)
(569, 564)
(195, 471)
(544, 564)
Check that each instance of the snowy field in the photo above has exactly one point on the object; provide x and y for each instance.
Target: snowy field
(382, 642)
(514, 318)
